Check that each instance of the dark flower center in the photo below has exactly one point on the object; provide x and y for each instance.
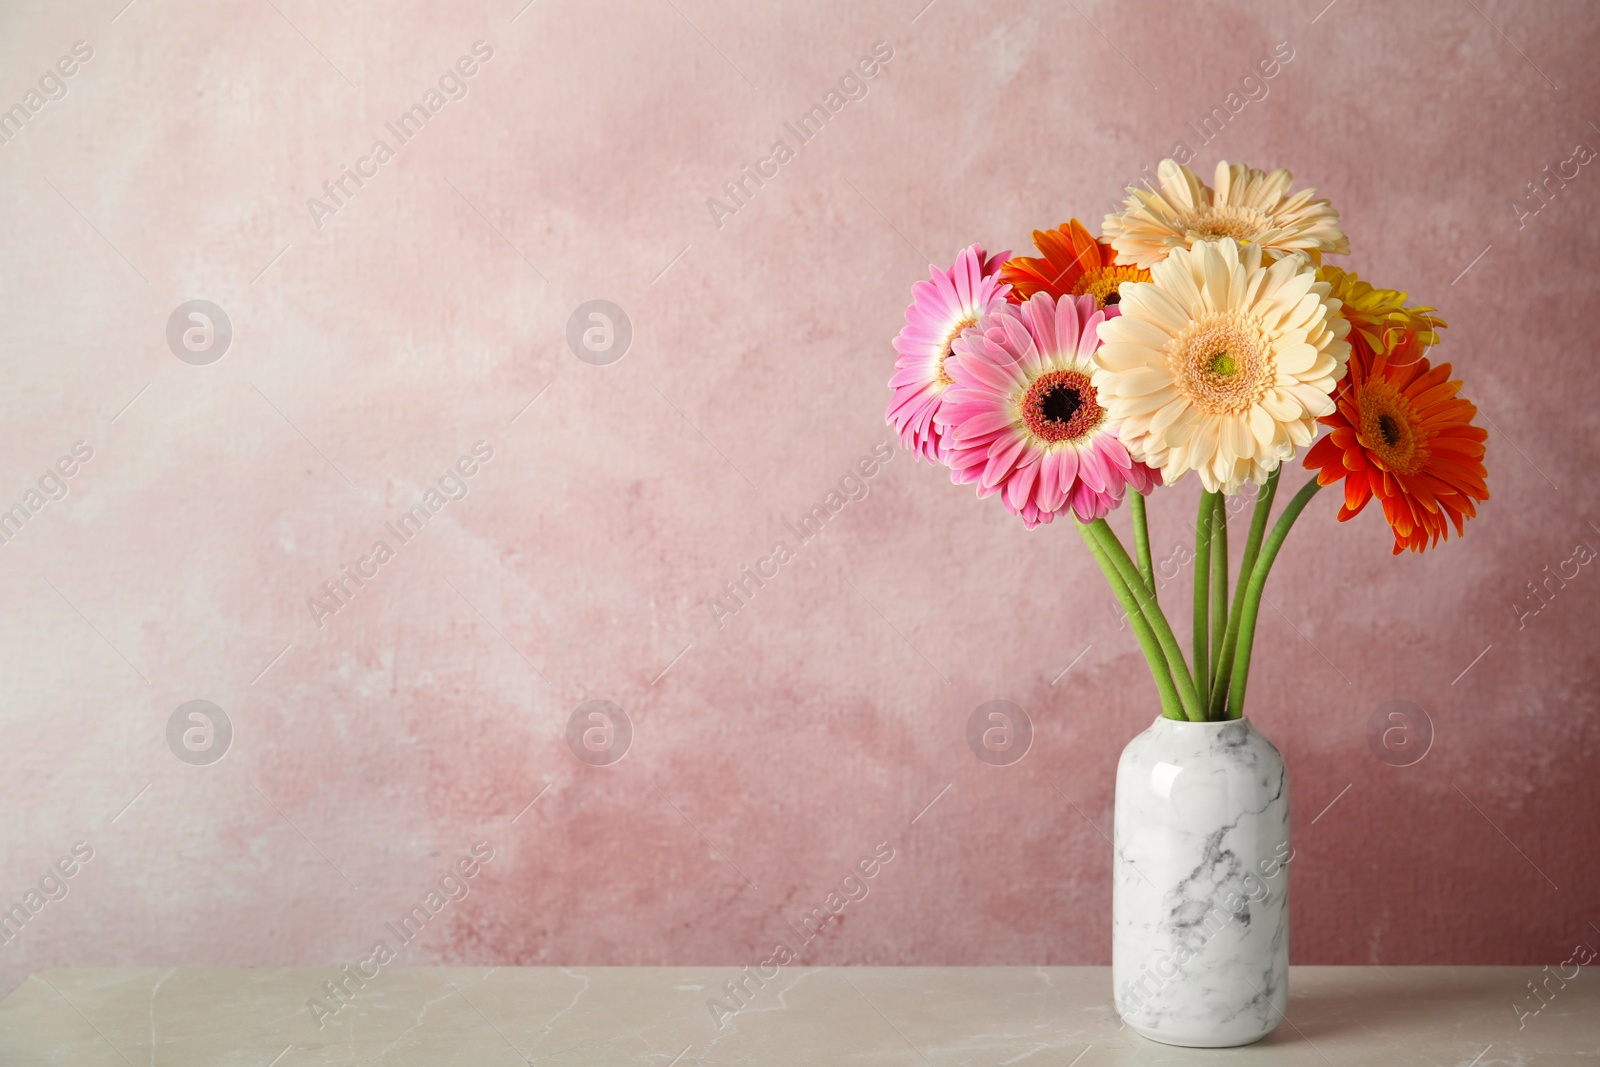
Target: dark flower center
(1060, 404)
(1389, 429)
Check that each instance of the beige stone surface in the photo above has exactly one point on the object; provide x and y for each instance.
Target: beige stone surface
(659, 1017)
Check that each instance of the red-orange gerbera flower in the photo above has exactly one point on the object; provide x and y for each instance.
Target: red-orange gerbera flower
(1401, 434)
(1074, 264)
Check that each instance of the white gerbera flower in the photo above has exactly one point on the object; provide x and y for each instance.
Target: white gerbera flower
(1221, 365)
(1249, 205)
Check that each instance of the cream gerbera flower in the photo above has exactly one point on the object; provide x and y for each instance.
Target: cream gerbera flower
(1221, 364)
(1249, 205)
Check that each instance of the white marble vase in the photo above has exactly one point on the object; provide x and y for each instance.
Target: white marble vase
(1200, 893)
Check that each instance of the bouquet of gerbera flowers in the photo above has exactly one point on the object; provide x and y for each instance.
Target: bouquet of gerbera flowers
(1201, 333)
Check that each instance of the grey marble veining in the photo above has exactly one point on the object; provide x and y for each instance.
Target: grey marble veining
(806, 1017)
(1200, 890)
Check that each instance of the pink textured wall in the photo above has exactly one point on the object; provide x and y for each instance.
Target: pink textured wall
(377, 339)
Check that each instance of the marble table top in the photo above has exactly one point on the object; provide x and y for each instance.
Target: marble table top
(818, 1017)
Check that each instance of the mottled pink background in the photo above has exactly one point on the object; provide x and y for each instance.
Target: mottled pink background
(829, 714)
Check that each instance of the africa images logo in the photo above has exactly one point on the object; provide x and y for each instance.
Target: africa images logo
(339, 591)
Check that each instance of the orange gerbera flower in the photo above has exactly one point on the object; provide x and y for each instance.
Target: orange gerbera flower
(1074, 263)
(1401, 434)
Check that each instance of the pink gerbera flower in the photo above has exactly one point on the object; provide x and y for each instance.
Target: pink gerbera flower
(1022, 418)
(951, 301)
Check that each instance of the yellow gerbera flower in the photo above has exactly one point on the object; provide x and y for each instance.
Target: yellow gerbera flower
(1379, 317)
(1249, 205)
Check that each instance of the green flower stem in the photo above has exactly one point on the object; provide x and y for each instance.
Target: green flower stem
(1252, 594)
(1202, 588)
(1141, 540)
(1252, 548)
(1170, 706)
(1219, 584)
(1193, 709)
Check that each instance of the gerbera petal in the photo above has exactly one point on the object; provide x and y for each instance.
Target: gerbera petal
(1066, 468)
(1050, 494)
(1020, 485)
(1092, 471)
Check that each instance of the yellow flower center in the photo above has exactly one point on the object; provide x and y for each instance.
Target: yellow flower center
(1222, 362)
(1243, 224)
(1104, 283)
(1389, 430)
(950, 339)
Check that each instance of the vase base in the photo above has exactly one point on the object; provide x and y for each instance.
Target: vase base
(1229, 1038)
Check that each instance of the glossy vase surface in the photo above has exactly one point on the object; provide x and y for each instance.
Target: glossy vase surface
(1200, 891)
